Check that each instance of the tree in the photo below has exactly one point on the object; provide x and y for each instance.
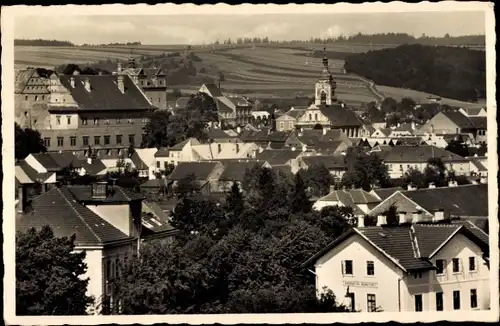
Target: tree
(48, 275)
(389, 105)
(317, 179)
(28, 141)
(299, 200)
(458, 148)
(435, 172)
(187, 186)
(414, 177)
(364, 170)
(235, 203)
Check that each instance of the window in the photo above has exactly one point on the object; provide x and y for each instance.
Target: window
(310, 117)
(353, 301)
(417, 275)
(440, 265)
(370, 268)
(418, 302)
(290, 124)
(85, 140)
(348, 270)
(158, 164)
(68, 119)
(145, 121)
(46, 142)
(26, 98)
(473, 298)
(129, 121)
(456, 265)
(118, 139)
(58, 120)
(315, 117)
(106, 139)
(282, 125)
(60, 141)
(456, 300)
(472, 264)
(371, 303)
(108, 269)
(165, 164)
(36, 97)
(118, 121)
(97, 140)
(72, 140)
(96, 121)
(84, 121)
(131, 139)
(439, 301)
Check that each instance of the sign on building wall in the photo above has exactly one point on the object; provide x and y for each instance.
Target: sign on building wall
(358, 284)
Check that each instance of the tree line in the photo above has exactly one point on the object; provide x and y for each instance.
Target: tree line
(41, 42)
(456, 73)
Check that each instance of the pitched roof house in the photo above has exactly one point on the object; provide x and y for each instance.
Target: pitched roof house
(359, 200)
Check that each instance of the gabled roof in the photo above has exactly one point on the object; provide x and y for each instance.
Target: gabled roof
(162, 152)
(154, 218)
(458, 118)
(479, 122)
(218, 133)
(61, 210)
(201, 170)
(263, 136)
(398, 243)
(94, 168)
(235, 171)
(25, 174)
(224, 104)
(479, 165)
(213, 89)
(286, 169)
(344, 197)
(277, 156)
(384, 193)
(385, 131)
(182, 102)
(419, 153)
(359, 196)
(340, 116)
(180, 146)
(22, 77)
(105, 94)
(312, 137)
(472, 111)
(404, 127)
(330, 161)
(54, 162)
(408, 141)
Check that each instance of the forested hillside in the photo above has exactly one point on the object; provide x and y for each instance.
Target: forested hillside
(41, 42)
(457, 73)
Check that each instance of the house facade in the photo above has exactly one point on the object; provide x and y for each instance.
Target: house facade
(379, 268)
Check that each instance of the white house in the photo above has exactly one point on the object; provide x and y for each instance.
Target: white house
(409, 267)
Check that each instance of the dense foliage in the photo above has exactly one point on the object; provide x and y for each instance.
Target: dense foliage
(241, 256)
(41, 42)
(48, 275)
(364, 170)
(451, 72)
(28, 141)
(435, 173)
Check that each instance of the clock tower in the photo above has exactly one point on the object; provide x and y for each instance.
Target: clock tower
(325, 86)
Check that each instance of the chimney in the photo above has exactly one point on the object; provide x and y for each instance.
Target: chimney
(304, 148)
(416, 217)
(402, 217)
(332, 188)
(324, 131)
(293, 148)
(119, 70)
(452, 183)
(413, 125)
(432, 185)
(22, 195)
(361, 221)
(439, 215)
(72, 82)
(121, 84)
(89, 160)
(238, 130)
(87, 84)
(381, 220)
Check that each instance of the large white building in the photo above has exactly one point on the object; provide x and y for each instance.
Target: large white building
(409, 267)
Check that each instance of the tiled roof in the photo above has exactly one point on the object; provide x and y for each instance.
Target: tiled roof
(479, 122)
(201, 170)
(286, 169)
(384, 193)
(419, 153)
(180, 146)
(385, 131)
(22, 77)
(398, 242)
(467, 200)
(154, 218)
(235, 171)
(54, 161)
(459, 119)
(224, 104)
(408, 141)
(105, 94)
(472, 111)
(153, 183)
(277, 156)
(117, 195)
(311, 137)
(264, 136)
(217, 134)
(139, 164)
(344, 197)
(162, 152)
(59, 209)
(359, 196)
(94, 168)
(404, 127)
(340, 116)
(479, 165)
(330, 162)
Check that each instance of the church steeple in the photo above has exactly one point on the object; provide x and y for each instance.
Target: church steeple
(325, 86)
(325, 59)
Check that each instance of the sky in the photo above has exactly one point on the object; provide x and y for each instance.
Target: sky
(200, 29)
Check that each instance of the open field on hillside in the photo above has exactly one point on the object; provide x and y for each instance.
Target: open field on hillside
(261, 70)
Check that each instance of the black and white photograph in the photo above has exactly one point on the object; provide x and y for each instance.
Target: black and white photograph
(219, 160)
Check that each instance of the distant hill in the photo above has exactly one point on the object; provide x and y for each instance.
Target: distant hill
(452, 72)
(41, 42)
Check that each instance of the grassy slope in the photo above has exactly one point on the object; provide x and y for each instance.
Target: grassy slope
(263, 70)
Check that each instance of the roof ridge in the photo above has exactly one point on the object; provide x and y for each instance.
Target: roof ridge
(79, 215)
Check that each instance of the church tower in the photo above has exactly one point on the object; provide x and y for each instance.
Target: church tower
(325, 86)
